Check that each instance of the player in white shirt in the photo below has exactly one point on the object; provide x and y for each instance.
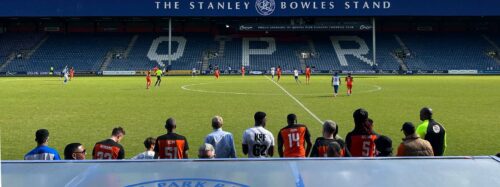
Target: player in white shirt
(296, 75)
(258, 142)
(149, 143)
(65, 73)
(273, 71)
(335, 84)
(193, 73)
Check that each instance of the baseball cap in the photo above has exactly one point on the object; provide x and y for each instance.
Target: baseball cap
(408, 127)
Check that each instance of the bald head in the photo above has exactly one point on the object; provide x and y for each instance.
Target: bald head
(217, 122)
(170, 124)
(425, 113)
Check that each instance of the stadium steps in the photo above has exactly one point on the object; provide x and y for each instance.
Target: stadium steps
(10, 58)
(204, 65)
(406, 50)
(42, 41)
(401, 62)
(494, 45)
(311, 46)
(107, 61)
(130, 46)
(404, 67)
(302, 64)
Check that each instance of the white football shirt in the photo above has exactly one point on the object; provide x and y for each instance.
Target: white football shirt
(336, 80)
(258, 140)
(296, 73)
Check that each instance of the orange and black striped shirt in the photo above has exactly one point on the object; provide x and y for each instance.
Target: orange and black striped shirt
(320, 147)
(108, 149)
(171, 146)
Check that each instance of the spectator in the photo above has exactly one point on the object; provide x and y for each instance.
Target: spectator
(258, 142)
(295, 138)
(171, 145)
(42, 150)
(223, 141)
(432, 131)
(384, 146)
(321, 145)
(110, 148)
(412, 144)
(74, 151)
(334, 150)
(361, 140)
(206, 151)
(149, 143)
(370, 125)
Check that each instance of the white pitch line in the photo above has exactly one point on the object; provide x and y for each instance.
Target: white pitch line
(296, 100)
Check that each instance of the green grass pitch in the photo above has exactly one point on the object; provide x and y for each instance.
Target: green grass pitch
(88, 108)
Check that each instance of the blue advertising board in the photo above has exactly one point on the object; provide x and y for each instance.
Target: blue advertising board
(247, 8)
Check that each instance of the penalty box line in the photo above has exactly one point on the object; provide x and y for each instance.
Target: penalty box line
(296, 100)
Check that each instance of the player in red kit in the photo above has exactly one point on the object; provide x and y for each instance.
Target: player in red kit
(148, 79)
(308, 74)
(242, 71)
(71, 73)
(349, 81)
(217, 73)
(278, 72)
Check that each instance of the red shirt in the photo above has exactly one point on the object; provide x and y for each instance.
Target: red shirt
(148, 76)
(308, 70)
(348, 80)
(279, 71)
(361, 145)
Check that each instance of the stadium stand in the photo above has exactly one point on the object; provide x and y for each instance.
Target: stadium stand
(84, 52)
(346, 52)
(447, 51)
(192, 53)
(14, 44)
(326, 57)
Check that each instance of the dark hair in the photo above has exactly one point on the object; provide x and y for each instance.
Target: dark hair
(41, 136)
(383, 145)
(70, 149)
(360, 116)
(427, 112)
(259, 117)
(149, 141)
(291, 117)
(170, 124)
(117, 131)
(360, 121)
(408, 128)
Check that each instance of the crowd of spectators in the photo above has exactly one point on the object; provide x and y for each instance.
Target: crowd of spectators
(293, 140)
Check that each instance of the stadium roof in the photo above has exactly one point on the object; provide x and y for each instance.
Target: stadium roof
(247, 8)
